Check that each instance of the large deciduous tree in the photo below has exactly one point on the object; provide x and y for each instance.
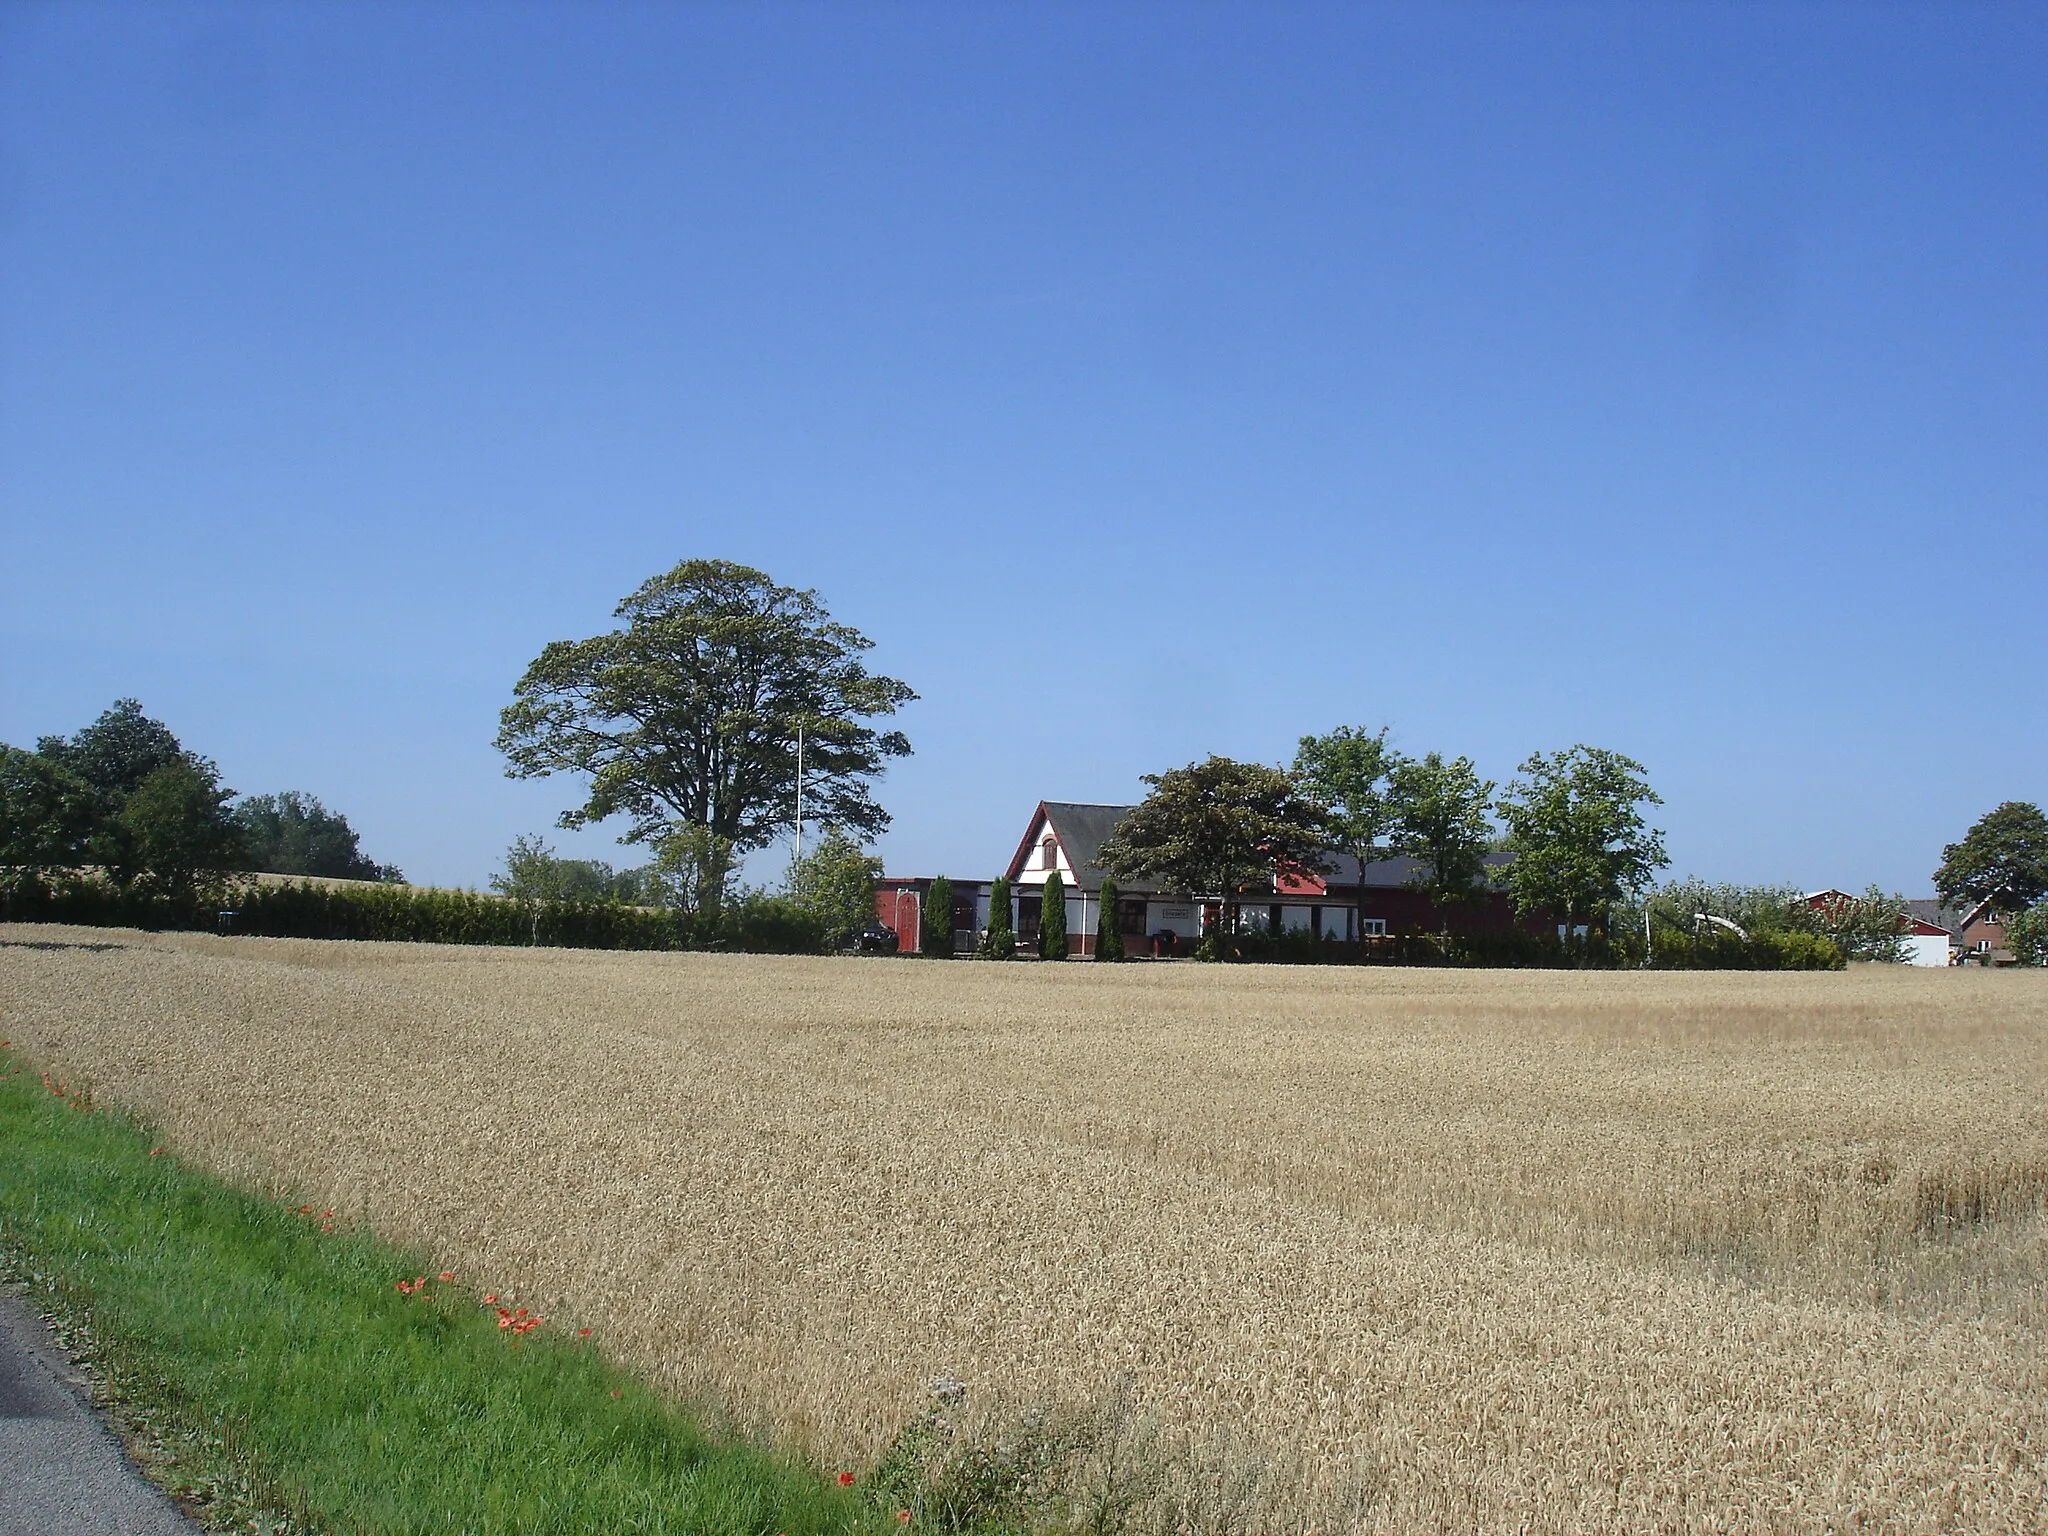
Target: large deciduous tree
(294, 834)
(175, 824)
(687, 716)
(46, 814)
(2002, 860)
(1581, 843)
(1346, 774)
(1214, 828)
(116, 752)
(151, 808)
(1440, 821)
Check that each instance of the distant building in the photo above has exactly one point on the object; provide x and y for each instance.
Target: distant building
(1976, 933)
(1068, 836)
(1936, 934)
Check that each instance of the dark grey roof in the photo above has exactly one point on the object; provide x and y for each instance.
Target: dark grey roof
(1082, 830)
(1930, 910)
(1341, 869)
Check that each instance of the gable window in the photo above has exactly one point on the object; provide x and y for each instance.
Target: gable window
(1049, 853)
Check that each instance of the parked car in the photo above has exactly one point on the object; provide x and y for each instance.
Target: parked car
(875, 939)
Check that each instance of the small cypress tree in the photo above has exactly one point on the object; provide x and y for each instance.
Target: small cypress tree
(1109, 941)
(935, 923)
(999, 938)
(1052, 919)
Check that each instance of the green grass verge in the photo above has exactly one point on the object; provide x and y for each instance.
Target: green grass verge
(244, 1330)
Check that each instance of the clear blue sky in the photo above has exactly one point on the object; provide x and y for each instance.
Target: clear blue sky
(1146, 381)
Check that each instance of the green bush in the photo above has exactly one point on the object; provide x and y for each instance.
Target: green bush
(410, 914)
(1052, 919)
(2027, 935)
(998, 939)
(1716, 949)
(935, 921)
(1109, 941)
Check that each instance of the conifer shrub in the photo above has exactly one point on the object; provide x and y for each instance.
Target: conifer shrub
(999, 938)
(1052, 919)
(1109, 941)
(935, 921)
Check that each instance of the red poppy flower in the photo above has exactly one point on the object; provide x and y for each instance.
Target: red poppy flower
(489, 1299)
(447, 1275)
(903, 1516)
(846, 1479)
(156, 1151)
(504, 1322)
(582, 1333)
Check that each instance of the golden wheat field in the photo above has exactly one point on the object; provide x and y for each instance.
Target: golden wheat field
(1379, 1250)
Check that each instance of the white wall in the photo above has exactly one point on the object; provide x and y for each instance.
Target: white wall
(1034, 870)
(1927, 949)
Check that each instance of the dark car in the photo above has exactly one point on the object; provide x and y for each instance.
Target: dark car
(875, 939)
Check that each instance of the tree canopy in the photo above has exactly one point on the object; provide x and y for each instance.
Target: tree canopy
(1440, 821)
(835, 883)
(534, 872)
(687, 716)
(47, 812)
(2003, 859)
(175, 825)
(1346, 775)
(123, 794)
(294, 834)
(116, 752)
(1214, 828)
(1575, 821)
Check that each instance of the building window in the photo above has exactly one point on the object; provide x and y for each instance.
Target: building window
(1372, 927)
(1130, 914)
(1049, 854)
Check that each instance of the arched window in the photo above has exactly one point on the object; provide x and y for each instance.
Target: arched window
(1049, 853)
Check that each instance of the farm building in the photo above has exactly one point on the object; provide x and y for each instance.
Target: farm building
(1066, 836)
(1936, 934)
(1975, 934)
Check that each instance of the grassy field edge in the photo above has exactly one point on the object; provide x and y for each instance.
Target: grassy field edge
(270, 1364)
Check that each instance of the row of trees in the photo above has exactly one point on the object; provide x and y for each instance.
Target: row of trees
(832, 886)
(125, 797)
(1575, 821)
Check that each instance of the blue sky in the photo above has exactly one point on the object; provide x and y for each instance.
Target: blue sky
(1146, 381)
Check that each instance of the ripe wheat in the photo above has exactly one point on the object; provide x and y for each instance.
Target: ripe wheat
(1499, 1251)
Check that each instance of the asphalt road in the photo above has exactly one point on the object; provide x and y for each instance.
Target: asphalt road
(62, 1472)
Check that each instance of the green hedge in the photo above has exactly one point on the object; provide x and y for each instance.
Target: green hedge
(409, 914)
(1782, 949)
